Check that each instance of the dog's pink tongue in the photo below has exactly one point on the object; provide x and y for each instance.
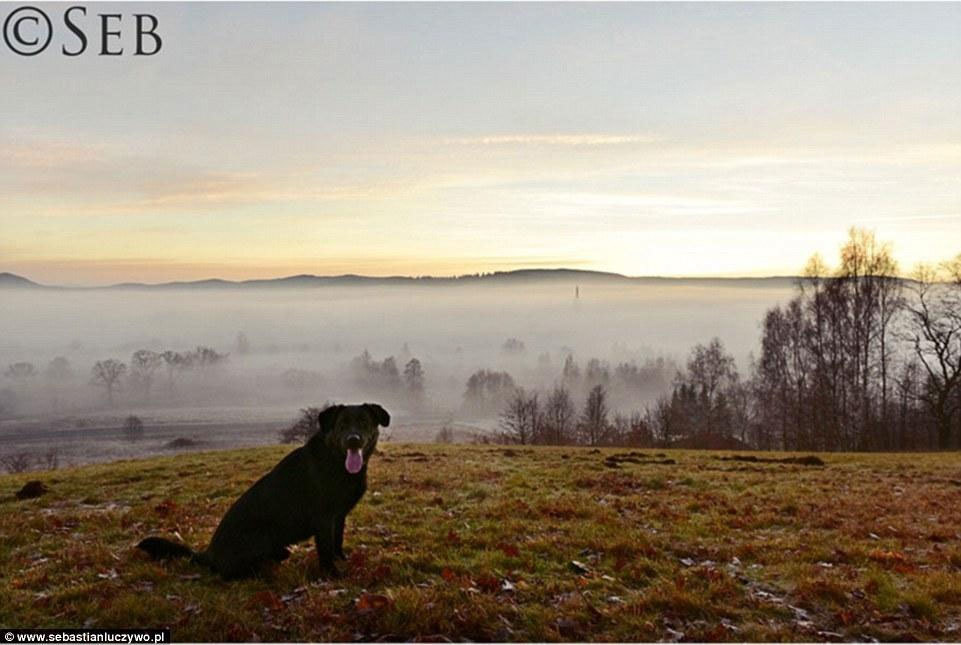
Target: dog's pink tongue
(355, 461)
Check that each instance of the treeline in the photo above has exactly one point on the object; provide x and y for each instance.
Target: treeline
(860, 359)
(487, 391)
(384, 378)
(554, 419)
(136, 377)
(707, 404)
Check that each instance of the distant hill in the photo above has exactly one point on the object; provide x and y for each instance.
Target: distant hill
(11, 280)
(520, 276)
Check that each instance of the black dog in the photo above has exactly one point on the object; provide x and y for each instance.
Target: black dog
(308, 494)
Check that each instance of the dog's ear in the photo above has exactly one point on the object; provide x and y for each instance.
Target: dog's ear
(327, 418)
(380, 414)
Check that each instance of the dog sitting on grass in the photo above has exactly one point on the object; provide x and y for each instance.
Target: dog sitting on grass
(308, 494)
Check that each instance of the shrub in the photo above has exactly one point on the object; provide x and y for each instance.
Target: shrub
(133, 428)
(445, 435)
(304, 427)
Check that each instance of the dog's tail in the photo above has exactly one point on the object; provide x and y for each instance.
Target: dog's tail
(160, 548)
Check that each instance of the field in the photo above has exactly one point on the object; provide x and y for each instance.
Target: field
(100, 437)
(496, 543)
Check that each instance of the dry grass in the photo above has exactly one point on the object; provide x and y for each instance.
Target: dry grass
(483, 543)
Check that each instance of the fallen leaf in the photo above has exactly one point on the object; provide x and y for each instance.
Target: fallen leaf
(368, 602)
(358, 559)
(888, 557)
(487, 583)
(509, 550)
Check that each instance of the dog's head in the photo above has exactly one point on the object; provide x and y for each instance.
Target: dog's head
(351, 432)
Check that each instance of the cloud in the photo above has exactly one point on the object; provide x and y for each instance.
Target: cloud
(906, 218)
(39, 154)
(664, 204)
(55, 177)
(551, 140)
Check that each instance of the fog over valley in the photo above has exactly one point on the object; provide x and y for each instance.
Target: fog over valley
(242, 360)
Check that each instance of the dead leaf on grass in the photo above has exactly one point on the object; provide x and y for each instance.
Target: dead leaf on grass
(509, 550)
(368, 602)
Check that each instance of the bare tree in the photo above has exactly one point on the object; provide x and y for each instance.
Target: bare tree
(414, 381)
(173, 362)
(21, 371)
(868, 271)
(205, 357)
(559, 418)
(488, 390)
(50, 460)
(907, 389)
(597, 372)
(16, 462)
(143, 364)
(952, 268)
(594, 423)
(57, 373)
(381, 376)
(639, 431)
(571, 373)
(935, 336)
(59, 370)
(520, 420)
(823, 380)
(712, 371)
(107, 374)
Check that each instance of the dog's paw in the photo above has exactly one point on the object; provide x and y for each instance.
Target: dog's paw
(330, 572)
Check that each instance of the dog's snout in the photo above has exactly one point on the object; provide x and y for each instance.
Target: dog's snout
(354, 441)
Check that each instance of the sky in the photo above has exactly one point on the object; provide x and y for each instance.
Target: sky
(671, 139)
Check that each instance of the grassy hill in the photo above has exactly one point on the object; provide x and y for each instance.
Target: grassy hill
(491, 543)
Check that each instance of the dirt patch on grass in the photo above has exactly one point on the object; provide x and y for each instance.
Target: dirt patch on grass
(808, 460)
(413, 456)
(180, 443)
(635, 457)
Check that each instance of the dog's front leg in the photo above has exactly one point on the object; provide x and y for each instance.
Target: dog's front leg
(324, 541)
(339, 537)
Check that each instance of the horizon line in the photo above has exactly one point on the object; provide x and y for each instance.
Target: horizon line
(393, 277)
